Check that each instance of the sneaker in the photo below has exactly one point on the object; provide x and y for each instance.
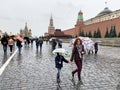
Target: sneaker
(58, 80)
(80, 82)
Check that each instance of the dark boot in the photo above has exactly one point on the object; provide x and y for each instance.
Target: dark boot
(72, 75)
(58, 79)
(80, 82)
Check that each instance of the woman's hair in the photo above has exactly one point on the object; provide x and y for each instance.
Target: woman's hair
(75, 42)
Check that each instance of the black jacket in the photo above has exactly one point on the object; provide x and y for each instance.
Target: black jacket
(4, 41)
(59, 61)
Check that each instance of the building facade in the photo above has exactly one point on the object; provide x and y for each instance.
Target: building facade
(26, 32)
(105, 20)
(52, 32)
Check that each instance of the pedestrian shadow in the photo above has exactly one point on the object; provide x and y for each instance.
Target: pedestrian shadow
(58, 87)
(5, 57)
(19, 58)
(118, 86)
(78, 86)
(38, 54)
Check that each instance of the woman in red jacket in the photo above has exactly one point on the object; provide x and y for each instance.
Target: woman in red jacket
(77, 55)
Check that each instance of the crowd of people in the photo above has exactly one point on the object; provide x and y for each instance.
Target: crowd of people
(10, 42)
(76, 55)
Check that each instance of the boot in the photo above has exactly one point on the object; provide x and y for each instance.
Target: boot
(72, 76)
(58, 79)
(80, 82)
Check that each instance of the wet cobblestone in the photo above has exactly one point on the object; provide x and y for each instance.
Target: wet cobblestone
(33, 70)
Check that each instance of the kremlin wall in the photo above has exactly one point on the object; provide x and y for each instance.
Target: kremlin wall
(104, 21)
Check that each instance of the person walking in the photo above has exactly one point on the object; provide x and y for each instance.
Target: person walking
(4, 41)
(54, 43)
(37, 43)
(77, 55)
(19, 45)
(41, 43)
(59, 64)
(96, 47)
(11, 43)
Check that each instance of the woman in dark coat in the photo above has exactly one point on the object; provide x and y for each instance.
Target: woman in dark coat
(59, 64)
(77, 55)
(4, 41)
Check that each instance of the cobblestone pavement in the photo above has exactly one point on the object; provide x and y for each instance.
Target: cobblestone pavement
(35, 70)
(4, 57)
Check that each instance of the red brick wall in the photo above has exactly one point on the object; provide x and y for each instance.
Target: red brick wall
(70, 31)
(102, 26)
(94, 27)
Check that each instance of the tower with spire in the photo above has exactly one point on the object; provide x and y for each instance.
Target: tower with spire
(80, 17)
(26, 32)
(51, 28)
(79, 23)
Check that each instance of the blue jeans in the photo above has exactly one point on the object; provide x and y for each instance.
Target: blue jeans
(19, 48)
(5, 48)
(59, 71)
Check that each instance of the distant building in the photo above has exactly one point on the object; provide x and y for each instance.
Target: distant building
(52, 32)
(26, 32)
(105, 20)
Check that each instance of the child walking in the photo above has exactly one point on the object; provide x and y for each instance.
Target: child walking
(59, 64)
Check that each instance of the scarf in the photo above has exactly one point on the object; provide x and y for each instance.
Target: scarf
(79, 48)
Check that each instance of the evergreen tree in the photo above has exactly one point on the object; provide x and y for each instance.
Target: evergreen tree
(82, 33)
(95, 34)
(107, 33)
(98, 34)
(89, 34)
(86, 34)
(114, 31)
(111, 32)
(119, 34)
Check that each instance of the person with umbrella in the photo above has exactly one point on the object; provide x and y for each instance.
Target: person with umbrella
(19, 43)
(77, 55)
(59, 43)
(59, 59)
(41, 43)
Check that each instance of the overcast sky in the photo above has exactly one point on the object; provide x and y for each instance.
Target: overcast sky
(14, 13)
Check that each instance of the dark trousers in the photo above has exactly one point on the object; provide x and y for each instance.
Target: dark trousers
(79, 68)
(11, 48)
(96, 50)
(19, 48)
(5, 48)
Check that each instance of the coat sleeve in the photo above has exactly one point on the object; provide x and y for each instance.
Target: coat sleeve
(56, 60)
(83, 50)
(64, 59)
